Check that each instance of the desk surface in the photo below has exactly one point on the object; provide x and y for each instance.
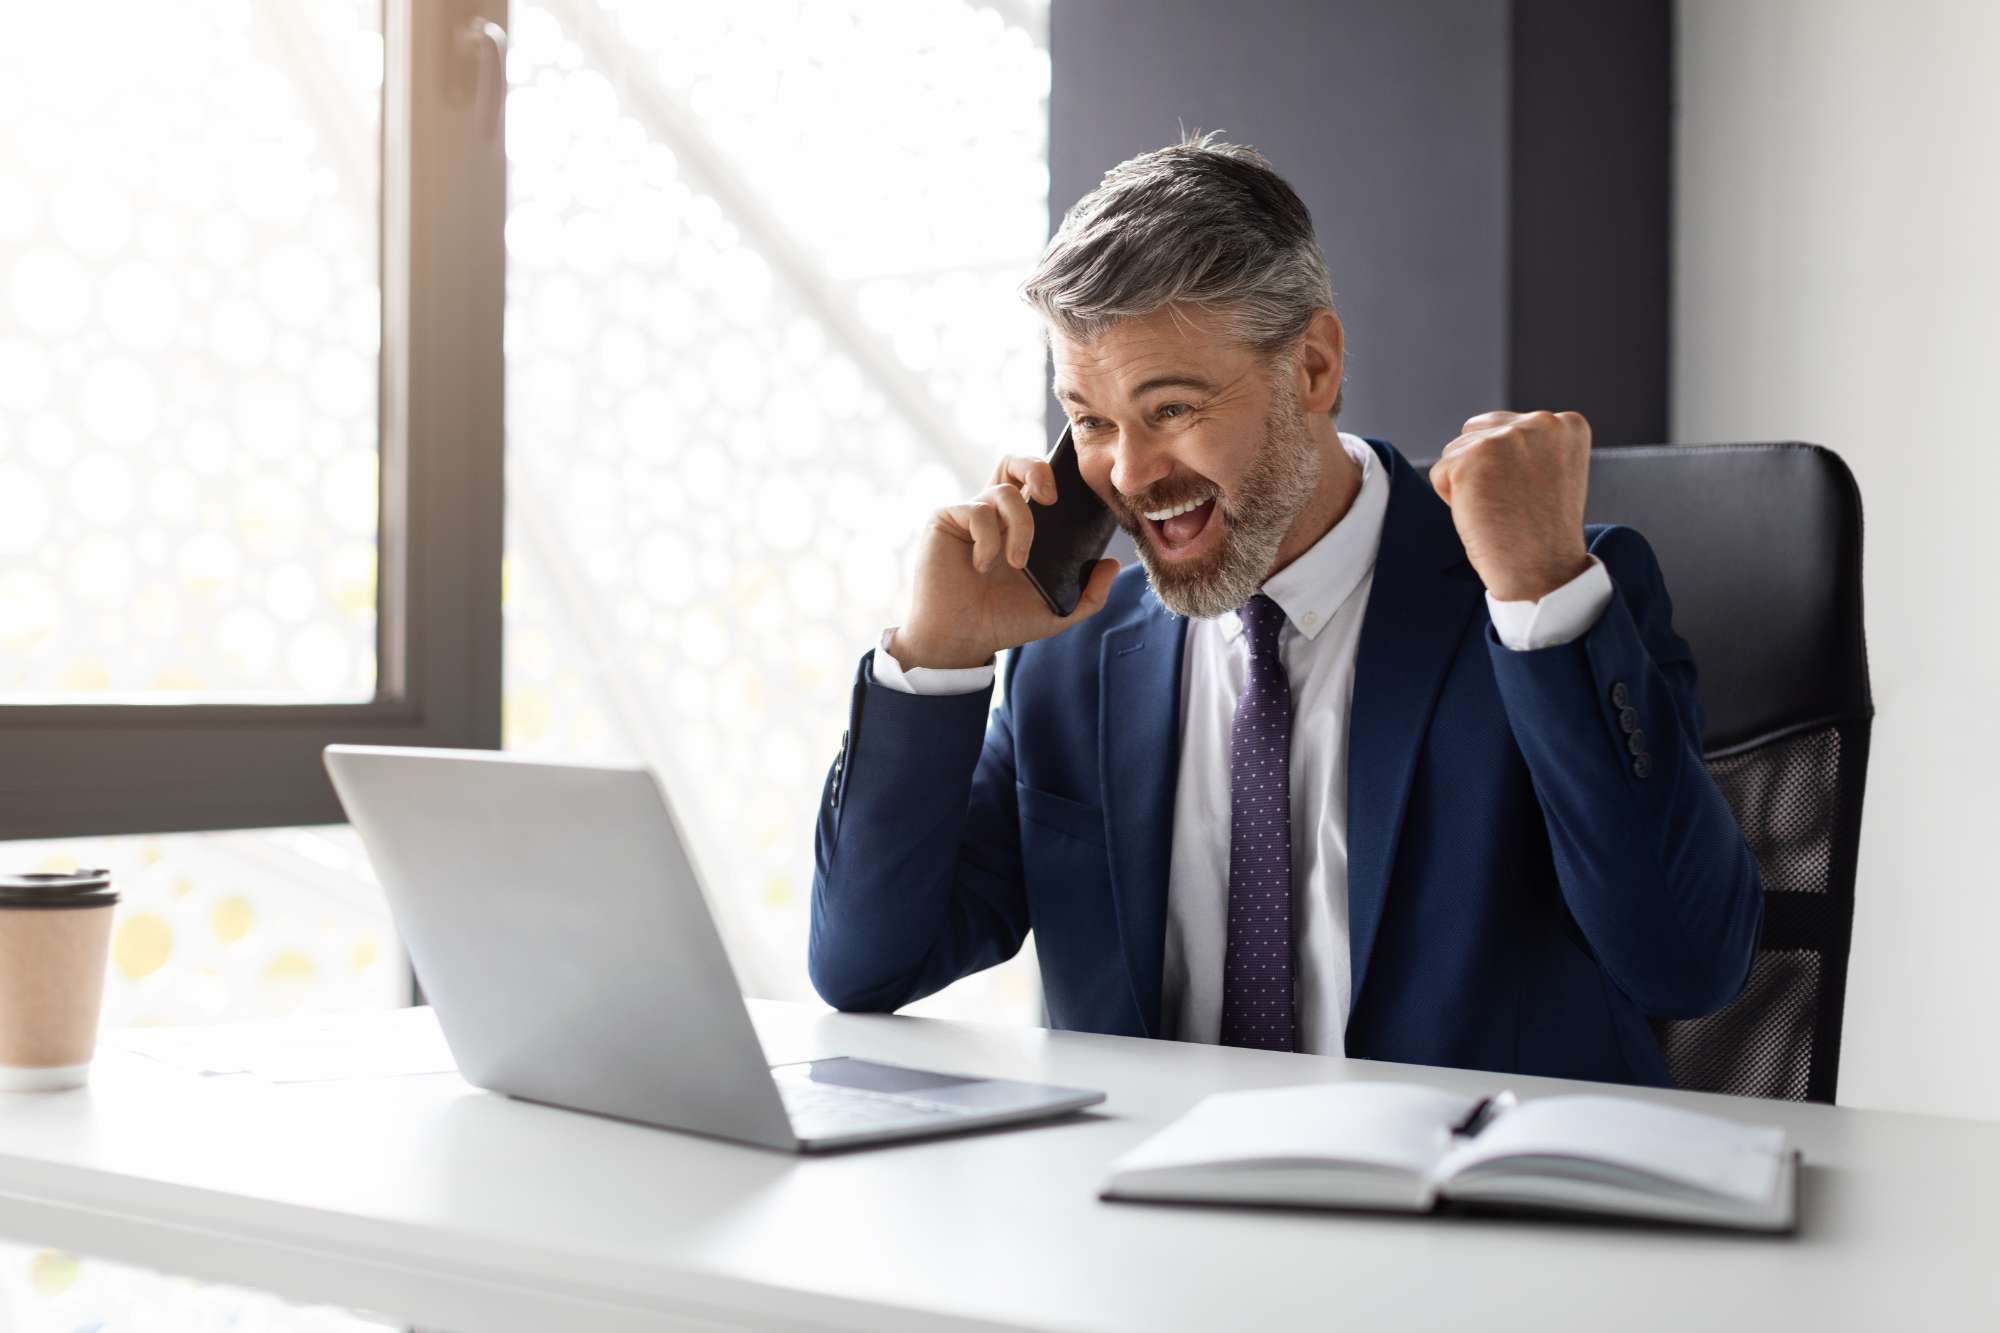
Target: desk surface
(429, 1200)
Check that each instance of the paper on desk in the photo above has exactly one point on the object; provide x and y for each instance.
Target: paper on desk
(380, 1044)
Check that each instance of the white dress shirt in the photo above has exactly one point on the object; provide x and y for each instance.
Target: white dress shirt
(1324, 595)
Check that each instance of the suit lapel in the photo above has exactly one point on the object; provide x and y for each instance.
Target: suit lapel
(1422, 595)
(1138, 737)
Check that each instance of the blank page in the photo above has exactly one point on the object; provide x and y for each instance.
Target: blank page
(1393, 1125)
(1703, 1152)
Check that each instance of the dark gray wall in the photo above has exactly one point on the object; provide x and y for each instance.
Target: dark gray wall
(1421, 152)
(1590, 211)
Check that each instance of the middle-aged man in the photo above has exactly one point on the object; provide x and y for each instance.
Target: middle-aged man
(1301, 786)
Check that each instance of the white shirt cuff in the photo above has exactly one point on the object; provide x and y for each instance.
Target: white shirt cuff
(890, 674)
(1561, 616)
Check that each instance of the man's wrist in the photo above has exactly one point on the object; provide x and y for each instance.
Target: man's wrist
(913, 653)
(1534, 582)
(887, 672)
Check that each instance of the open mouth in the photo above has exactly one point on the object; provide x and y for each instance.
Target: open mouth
(1181, 530)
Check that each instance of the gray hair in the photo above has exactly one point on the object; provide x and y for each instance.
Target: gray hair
(1201, 223)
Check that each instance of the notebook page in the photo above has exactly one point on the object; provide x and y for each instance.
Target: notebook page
(301, 1049)
(1702, 1151)
(1394, 1125)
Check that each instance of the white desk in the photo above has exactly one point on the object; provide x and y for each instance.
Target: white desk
(430, 1201)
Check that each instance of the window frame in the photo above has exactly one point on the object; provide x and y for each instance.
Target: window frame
(99, 769)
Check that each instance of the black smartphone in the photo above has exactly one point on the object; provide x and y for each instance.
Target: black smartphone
(1070, 535)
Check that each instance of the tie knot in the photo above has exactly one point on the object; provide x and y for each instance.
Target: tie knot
(1262, 618)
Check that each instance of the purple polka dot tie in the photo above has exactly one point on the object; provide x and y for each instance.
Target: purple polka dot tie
(1257, 970)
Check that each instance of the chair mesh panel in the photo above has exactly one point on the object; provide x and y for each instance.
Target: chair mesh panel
(1786, 795)
(1762, 1045)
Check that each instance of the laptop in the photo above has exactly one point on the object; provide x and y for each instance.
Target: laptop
(560, 932)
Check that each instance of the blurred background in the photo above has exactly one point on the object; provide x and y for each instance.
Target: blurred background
(759, 316)
(708, 489)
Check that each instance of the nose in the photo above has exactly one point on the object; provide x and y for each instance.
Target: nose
(1137, 463)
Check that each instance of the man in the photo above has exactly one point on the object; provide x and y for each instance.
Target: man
(1299, 785)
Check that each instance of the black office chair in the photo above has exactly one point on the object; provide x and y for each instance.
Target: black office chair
(1761, 547)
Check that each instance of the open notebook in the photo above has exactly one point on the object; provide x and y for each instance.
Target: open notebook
(1404, 1147)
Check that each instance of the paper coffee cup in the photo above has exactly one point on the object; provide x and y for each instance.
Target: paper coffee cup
(55, 934)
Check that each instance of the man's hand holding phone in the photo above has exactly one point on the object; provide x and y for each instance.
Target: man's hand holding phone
(972, 598)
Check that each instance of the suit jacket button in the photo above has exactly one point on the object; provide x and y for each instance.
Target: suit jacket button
(1636, 743)
(1628, 720)
(1620, 696)
(839, 766)
(1642, 765)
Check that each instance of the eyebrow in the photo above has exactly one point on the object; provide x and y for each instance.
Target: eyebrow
(1176, 380)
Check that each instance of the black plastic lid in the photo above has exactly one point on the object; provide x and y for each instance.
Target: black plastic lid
(79, 888)
(45, 902)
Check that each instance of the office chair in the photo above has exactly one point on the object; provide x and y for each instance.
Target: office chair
(1761, 547)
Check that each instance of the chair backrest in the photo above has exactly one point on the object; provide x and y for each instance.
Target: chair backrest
(1761, 547)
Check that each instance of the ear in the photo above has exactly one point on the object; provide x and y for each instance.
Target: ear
(1321, 358)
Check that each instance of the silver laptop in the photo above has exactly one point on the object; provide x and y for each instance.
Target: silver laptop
(558, 929)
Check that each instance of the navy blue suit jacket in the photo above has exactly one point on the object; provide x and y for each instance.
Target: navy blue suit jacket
(1523, 893)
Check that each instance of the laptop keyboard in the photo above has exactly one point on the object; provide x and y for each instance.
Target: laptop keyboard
(822, 1110)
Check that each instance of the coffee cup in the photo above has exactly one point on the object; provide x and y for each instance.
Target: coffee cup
(55, 933)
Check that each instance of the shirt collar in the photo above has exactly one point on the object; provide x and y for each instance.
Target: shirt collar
(1325, 575)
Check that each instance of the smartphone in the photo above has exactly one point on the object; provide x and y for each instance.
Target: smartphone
(1070, 535)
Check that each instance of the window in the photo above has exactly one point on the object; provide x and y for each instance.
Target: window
(249, 436)
(190, 382)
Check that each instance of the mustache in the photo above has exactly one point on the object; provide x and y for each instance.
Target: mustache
(1166, 496)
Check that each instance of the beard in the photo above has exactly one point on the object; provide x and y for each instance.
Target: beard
(1256, 516)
